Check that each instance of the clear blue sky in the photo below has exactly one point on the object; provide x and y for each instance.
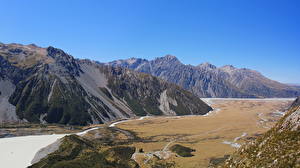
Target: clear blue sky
(257, 34)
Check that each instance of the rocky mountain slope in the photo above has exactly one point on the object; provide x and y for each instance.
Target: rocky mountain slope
(46, 85)
(206, 80)
(279, 147)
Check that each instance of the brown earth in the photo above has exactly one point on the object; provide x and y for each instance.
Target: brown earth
(246, 119)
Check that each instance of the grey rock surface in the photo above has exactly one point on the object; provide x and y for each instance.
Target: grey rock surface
(207, 80)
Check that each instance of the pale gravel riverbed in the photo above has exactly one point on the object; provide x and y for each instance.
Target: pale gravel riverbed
(18, 152)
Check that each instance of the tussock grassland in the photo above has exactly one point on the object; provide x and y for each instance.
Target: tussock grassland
(237, 121)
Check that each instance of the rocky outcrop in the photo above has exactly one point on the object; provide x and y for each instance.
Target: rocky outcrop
(46, 85)
(206, 80)
(292, 120)
(296, 103)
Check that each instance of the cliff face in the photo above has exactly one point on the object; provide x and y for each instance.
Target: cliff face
(49, 86)
(206, 80)
(279, 147)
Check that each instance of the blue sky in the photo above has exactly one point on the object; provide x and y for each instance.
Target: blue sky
(259, 34)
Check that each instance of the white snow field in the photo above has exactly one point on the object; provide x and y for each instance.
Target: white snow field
(17, 152)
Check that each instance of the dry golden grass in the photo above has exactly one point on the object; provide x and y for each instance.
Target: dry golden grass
(206, 134)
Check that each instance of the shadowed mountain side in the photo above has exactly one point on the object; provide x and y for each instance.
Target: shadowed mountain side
(46, 85)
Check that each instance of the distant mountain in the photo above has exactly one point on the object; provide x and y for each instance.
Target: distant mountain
(46, 85)
(206, 80)
(296, 85)
(279, 147)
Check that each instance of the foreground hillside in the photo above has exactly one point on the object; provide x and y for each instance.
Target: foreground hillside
(106, 147)
(78, 152)
(46, 85)
(206, 80)
(279, 147)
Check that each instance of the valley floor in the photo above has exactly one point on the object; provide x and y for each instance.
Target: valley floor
(219, 133)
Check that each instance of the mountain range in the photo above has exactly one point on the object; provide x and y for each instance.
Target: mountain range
(47, 85)
(207, 80)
